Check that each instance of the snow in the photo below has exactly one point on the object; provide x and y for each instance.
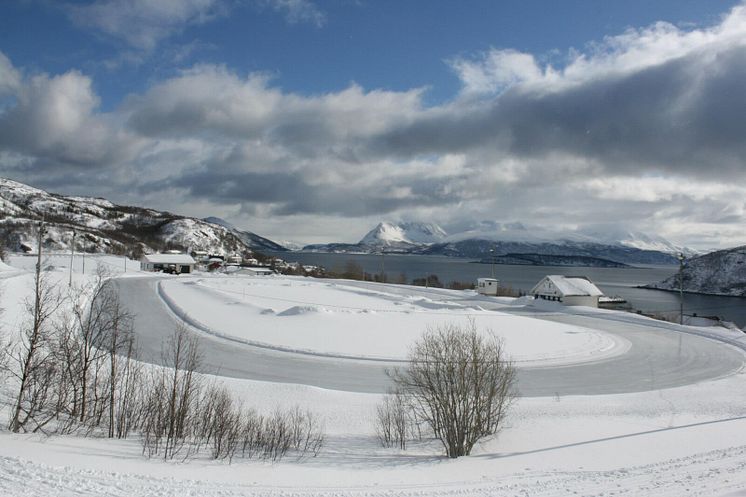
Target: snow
(412, 233)
(689, 440)
(331, 318)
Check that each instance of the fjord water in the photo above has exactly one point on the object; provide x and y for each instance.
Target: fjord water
(620, 282)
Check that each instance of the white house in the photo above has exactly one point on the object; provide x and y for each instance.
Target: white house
(234, 260)
(168, 263)
(487, 286)
(570, 290)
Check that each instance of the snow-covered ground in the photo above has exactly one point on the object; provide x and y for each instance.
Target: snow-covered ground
(689, 440)
(337, 319)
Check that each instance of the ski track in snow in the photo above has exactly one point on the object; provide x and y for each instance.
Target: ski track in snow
(718, 472)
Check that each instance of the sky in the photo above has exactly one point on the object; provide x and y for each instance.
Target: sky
(311, 121)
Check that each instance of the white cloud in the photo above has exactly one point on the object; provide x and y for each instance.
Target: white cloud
(143, 23)
(210, 99)
(630, 52)
(54, 119)
(496, 70)
(10, 77)
(299, 11)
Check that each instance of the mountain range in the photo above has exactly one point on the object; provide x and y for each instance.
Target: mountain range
(102, 226)
(99, 225)
(487, 239)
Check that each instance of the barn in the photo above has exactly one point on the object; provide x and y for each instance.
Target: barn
(569, 290)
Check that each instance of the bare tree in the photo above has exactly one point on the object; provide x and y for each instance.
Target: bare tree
(93, 313)
(31, 361)
(170, 422)
(460, 383)
(120, 341)
(130, 391)
(395, 422)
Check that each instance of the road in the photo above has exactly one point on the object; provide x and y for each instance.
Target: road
(659, 357)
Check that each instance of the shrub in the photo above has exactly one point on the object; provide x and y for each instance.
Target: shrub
(460, 383)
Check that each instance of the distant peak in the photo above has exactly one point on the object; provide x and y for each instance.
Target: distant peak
(404, 233)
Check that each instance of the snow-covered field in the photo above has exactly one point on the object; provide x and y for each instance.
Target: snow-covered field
(689, 440)
(333, 318)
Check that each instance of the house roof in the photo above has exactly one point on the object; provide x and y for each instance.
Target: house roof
(571, 285)
(168, 259)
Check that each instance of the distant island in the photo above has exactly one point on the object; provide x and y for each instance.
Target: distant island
(551, 260)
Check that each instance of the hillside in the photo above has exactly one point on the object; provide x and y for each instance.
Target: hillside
(250, 239)
(104, 227)
(721, 273)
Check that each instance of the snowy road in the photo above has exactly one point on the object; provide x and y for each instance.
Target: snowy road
(658, 358)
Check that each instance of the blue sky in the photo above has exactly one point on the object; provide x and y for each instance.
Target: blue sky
(312, 120)
(389, 44)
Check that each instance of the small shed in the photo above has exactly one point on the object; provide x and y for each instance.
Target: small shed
(168, 263)
(487, 286)
(570, 290)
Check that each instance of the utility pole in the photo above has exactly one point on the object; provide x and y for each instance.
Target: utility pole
(38, 250)
(72, 254)
(383, 266)
(681, 287)
(492, 258)
(37, 294)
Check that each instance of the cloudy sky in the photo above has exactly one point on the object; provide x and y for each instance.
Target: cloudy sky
(312, 120)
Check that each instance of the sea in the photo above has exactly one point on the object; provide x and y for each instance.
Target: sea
(620, 282)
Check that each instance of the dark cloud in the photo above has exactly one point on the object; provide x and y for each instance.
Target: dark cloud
(686, 116)
(290, 194)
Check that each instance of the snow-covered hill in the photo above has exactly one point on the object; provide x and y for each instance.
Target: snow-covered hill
(102, 226)
(722, 273)
(250, 239)
(642, 241)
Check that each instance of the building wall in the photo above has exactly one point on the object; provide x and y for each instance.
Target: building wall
(585, 300)
(181, 268)
(487, 287)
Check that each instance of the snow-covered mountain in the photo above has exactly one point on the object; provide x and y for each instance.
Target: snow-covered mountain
(485, 238)
(250, 239)
(102, 226)
(639, 240)
(517, 232)
(722, 273)
(403, 235)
